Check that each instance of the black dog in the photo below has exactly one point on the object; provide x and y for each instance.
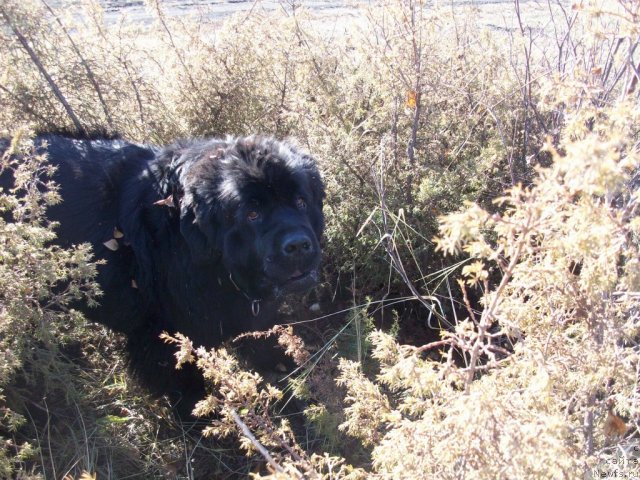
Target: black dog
(203, 237)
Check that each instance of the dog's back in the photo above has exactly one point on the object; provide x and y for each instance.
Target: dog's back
(90, 174)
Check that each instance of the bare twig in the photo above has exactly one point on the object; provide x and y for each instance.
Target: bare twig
(161, 18)
(588, 425)
(24, 105)
(467, 303)
(119, 56)
(432, 345)
(388, 241)
(634, 80)
(84, 63)
(320, 75)
(505, 145)
(412, 142)
(135, 88)
(488, 314)
(43, 71)
(254, 441)
(621, 72)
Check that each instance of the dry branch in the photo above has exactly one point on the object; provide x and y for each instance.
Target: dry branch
(43, 71)
(85, 64)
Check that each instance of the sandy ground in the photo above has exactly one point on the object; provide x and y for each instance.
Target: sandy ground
(338, 15)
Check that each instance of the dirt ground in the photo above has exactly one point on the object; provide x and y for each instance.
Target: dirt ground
(537, 16)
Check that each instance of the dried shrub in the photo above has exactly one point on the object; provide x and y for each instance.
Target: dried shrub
(548, 383)
(518, 151)
(38, 283)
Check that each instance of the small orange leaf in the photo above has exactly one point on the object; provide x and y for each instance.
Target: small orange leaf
(596, 70)
(219, 153)
(412, 99)
(117, 233)
(166, 202)
(614, 426)
(632, 85)
(112, 244)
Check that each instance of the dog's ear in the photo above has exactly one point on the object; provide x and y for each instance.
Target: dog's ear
(310, 167)
(199, 227)
(317, 186)
(317, 189)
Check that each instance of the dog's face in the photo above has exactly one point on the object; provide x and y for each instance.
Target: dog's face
(258, 204)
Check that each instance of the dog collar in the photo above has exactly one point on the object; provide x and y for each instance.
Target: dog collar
(255, 302)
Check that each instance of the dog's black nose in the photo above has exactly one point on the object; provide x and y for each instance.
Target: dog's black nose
(296, 244)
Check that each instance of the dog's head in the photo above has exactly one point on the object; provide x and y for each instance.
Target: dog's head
(255, 204)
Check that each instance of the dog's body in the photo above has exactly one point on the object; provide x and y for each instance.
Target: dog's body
(202, 237)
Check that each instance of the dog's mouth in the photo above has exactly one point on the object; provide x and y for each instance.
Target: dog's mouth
(297, 275)
(297, 282)
(302, 277)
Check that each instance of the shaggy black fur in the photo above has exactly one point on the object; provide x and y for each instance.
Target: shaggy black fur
(214, 233)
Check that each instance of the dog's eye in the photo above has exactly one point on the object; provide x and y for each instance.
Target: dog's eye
(300, 203)
(252, 216)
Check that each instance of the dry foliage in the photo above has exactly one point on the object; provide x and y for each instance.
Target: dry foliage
(38, 283)
(517, 151)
